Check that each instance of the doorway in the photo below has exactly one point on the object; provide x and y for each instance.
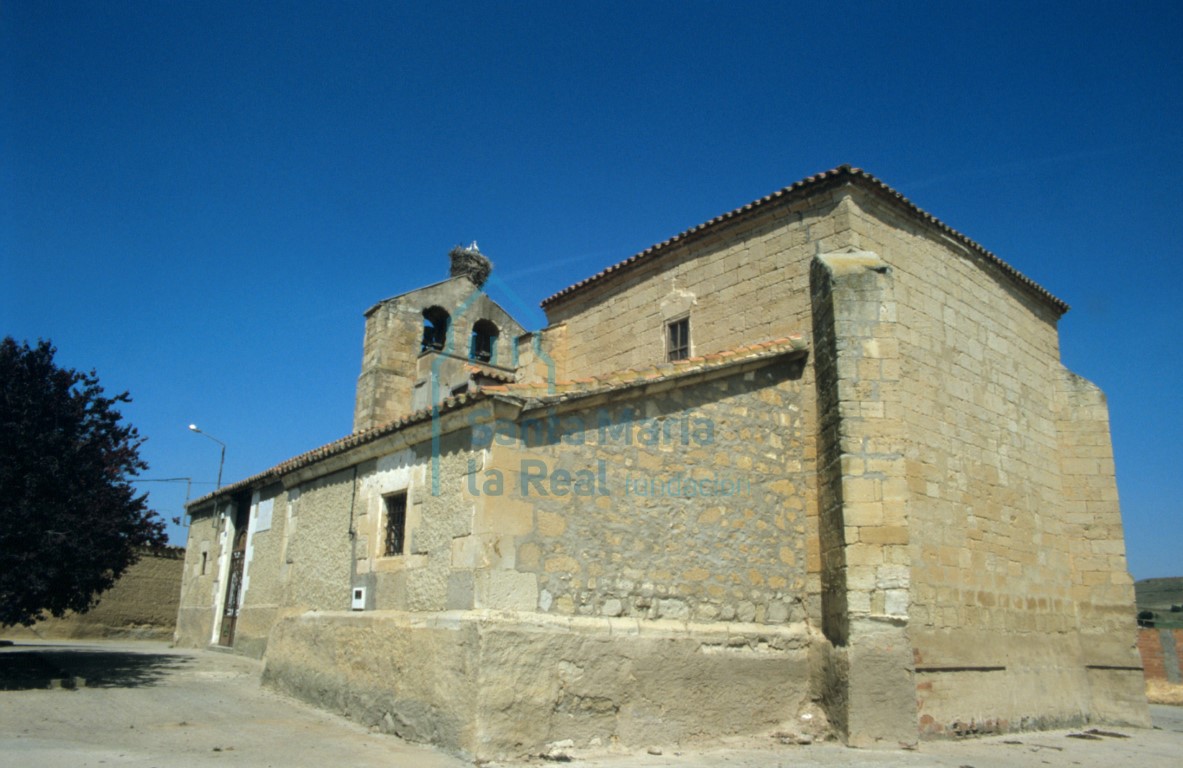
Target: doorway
(230, 606)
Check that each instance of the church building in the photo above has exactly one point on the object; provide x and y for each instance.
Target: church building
(814, 464)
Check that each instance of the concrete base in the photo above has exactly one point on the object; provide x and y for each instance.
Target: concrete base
(492, 685)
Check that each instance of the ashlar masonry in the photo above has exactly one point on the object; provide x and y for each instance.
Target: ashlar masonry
(816, 456)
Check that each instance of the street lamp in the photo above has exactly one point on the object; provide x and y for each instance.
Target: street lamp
(193, 428)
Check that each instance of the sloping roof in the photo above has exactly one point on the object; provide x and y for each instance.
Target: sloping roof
(650, 374)
(546, 392)
(440, 285)
(802, 189)
(339, 446)
(488, 371)
(421, 289)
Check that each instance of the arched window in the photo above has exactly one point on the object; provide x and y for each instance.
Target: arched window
(435, 328)
(484, 342)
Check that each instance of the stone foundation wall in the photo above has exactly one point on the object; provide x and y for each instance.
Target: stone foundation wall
(493, 686)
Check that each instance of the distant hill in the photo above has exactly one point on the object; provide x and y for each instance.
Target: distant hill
(1159, 596)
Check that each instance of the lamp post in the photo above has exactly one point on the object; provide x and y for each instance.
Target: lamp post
(222, 461)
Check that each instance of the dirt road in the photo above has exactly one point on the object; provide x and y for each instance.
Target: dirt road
(145, 705)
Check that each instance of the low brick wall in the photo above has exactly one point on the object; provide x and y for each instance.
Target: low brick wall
(1161, 651)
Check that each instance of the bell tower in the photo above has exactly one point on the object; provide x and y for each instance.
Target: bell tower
(434, 342)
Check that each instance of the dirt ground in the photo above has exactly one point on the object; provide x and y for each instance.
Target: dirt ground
(144, 704)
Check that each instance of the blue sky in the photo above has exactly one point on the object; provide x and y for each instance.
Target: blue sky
(199, 200)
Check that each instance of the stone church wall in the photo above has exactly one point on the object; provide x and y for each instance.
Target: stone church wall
(920, 535)
(688, 503)
(999, 625)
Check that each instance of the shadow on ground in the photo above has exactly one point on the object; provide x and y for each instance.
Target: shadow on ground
(27, 668)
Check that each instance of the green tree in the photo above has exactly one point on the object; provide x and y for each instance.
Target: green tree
(70, 521)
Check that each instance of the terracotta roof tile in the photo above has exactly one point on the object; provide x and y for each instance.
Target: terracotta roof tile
(621, 379)
(341, 445)
(648, 374)
(489, 372)
(801, 189)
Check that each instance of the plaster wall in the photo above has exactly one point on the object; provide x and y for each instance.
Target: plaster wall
(492, 685)
(424, 577)
(201, 580)
(263, 571)
(315, 572)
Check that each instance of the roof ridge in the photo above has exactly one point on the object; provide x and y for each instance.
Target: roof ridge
(845, 170)
(613, 380)
(653, 372)
(342, 444)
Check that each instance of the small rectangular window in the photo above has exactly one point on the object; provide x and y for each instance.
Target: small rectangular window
(678, 339)
(396, 523)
